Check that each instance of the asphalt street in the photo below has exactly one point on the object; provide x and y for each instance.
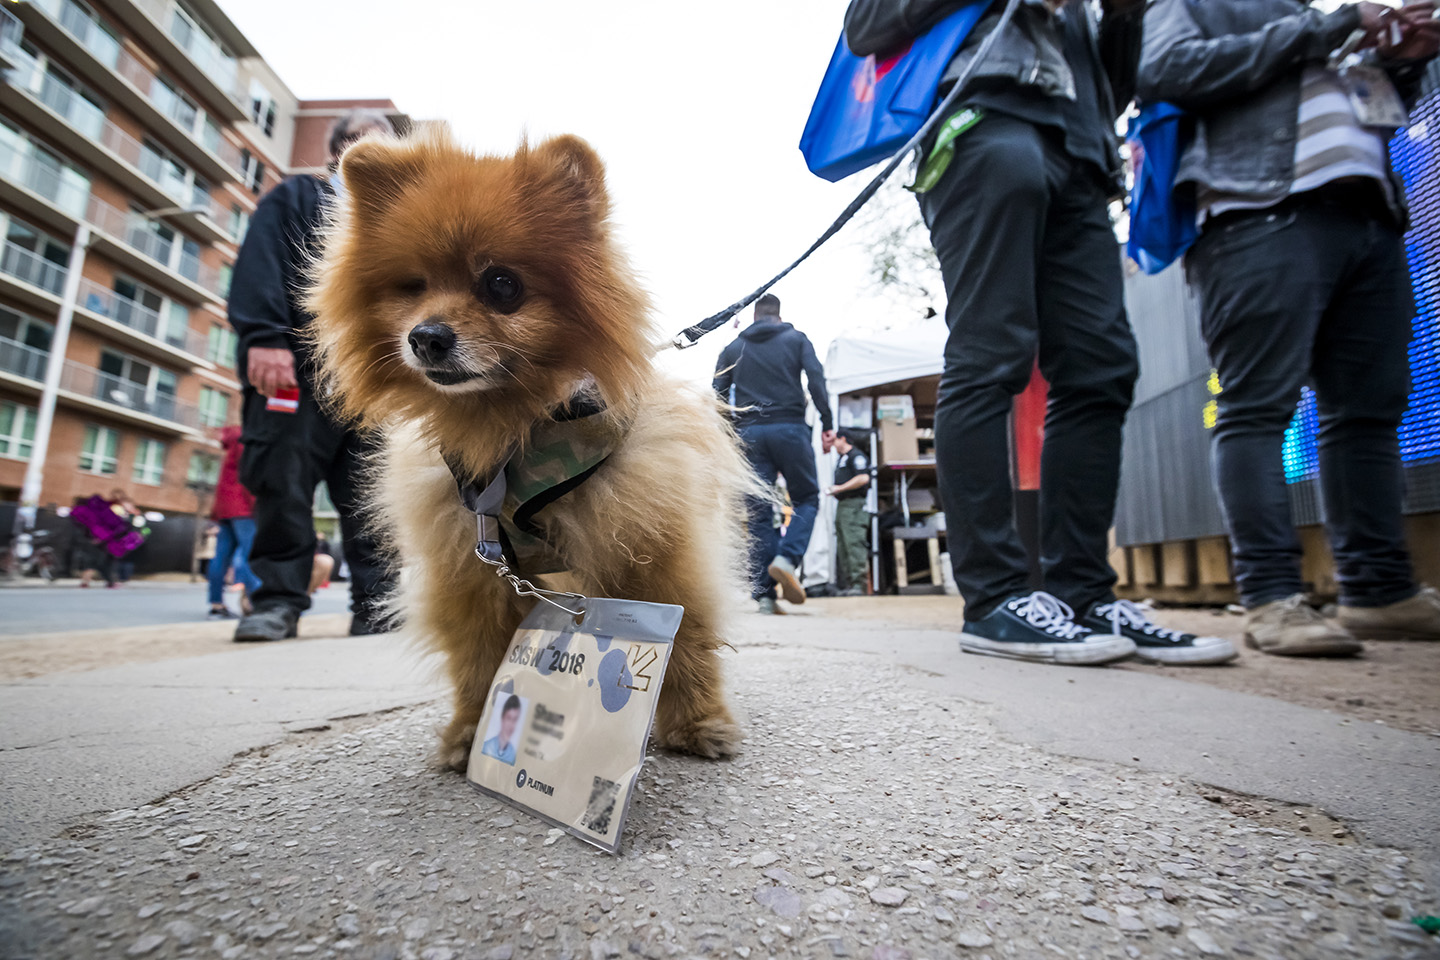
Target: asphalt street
(64, 606)
(894, 799)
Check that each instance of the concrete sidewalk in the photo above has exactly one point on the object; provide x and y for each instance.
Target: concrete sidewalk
(83, 743)
(894, 799)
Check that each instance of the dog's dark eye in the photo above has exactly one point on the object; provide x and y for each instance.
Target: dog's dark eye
(501, 288)
(412, 286)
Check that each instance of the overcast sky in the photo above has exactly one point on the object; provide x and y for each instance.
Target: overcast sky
(697, 111)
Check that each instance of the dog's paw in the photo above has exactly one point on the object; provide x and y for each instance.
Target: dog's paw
(716, 738)
(455, 745)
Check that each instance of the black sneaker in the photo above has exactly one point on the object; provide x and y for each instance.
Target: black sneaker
(274, 623)
(367, 622)
(220, 613)
(1040, 627)
(1154, 642)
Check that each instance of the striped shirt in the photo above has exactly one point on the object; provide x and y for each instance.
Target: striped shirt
(1330, 145)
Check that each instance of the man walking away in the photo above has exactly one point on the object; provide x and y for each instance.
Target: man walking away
(291, 442)
(852, 522)
(233, 515)
(758, 374)
(1302, 277)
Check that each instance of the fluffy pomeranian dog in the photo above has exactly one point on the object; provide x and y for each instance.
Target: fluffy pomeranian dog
(461, 303)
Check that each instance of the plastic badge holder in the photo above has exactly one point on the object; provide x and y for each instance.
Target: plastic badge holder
(565, 725)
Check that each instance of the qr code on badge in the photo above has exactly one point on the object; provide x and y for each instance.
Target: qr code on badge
(601, 807)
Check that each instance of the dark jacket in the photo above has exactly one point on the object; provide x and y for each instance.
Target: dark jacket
(759, 372)
(269, 273)
(1236, 65)
(1057, 70)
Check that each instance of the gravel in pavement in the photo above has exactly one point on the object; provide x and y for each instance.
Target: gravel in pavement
(864, 819)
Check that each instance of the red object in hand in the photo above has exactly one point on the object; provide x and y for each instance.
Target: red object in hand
(284, 401)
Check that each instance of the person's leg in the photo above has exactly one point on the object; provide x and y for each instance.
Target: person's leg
(850, 530)
(244, 531)
(1361, 376)
(1264, 281)
(985, 218)
(370, 579)
(795, 458)
(224, 550)
(760, 513)
(324, 564)
(1088, 358)
(281, 466)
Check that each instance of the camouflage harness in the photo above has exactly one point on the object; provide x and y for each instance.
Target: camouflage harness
(560, 454)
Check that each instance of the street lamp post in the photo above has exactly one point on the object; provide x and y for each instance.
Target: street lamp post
(55, 368)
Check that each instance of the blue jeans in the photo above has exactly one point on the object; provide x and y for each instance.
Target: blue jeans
(1317, 291)
(232, 546)
(783, 449)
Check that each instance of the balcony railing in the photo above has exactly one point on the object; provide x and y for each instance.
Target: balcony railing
(23, 360)
(206, 54)
(137, 233)
(140, 318)
(54, 93)
(11, 29)
(80, 25)
(21, 166)
(89, 382)
(30, 268)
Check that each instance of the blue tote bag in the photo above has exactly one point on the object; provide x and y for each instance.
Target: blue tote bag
(867, 107)
(1162, 219)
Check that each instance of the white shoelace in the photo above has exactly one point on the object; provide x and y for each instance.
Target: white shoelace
(1125, 613)
(1050, 614)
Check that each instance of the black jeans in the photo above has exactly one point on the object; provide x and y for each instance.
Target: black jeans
(1031, 267)
(784, 449)
(1314, 291)
(286, 456)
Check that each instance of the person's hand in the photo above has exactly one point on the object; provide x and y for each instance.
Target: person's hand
(270, 369)
(829, 491)
(1373, 20)
(827, 440)
(1419, 33)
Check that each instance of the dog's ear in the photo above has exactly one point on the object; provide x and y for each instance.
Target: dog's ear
(376, 170)
(578, 169)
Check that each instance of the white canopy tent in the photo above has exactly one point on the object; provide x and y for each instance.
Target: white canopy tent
(856, 363)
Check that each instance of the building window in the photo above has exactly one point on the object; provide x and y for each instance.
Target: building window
(179, 107)
(98, 453)
(252, 171)
(221, 349)
(150, 462)
(17, 430)
(34, 258)
(24, 345)
(227, 272)
(239, 223)
(214, 407)
(203, 470)
(262, 107)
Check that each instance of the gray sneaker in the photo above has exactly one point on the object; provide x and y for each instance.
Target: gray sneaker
(768, 607)
(1293, 628)
(783, 572)
(1417, 618)
(274, 623)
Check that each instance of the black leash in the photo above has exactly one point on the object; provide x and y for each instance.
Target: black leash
(691, 335)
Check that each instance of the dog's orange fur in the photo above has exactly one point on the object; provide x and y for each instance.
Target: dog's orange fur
(660, 519)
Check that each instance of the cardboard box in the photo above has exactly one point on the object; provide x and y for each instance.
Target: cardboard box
(895, 418)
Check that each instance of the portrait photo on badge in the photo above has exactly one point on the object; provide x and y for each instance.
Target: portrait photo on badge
(506, 721)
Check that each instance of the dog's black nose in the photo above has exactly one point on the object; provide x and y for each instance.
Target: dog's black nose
(432, 341)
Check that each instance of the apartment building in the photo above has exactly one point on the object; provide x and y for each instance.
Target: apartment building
(148, 130)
